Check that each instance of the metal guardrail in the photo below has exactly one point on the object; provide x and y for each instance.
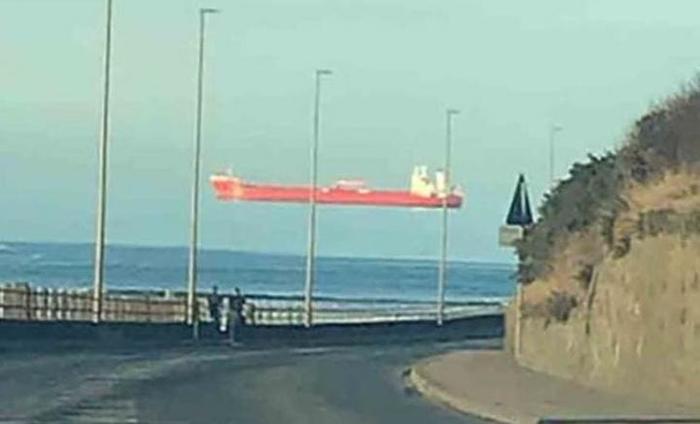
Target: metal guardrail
(21, 301)
(295, 315)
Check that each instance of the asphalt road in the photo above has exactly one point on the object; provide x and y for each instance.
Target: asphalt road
(220, 385)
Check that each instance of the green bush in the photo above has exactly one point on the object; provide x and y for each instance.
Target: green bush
(559, 306)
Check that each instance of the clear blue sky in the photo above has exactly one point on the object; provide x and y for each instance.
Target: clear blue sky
(513, 68)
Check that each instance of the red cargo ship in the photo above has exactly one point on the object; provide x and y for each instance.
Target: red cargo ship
(423, 192)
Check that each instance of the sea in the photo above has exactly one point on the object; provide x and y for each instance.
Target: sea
(342, 279)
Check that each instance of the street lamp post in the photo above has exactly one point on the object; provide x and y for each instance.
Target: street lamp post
(553, 130)
(192, 313)
(442, 270)
(98, 280)
(311, 253)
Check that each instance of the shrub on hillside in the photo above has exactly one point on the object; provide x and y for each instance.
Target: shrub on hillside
(559, 306)
(667, 138)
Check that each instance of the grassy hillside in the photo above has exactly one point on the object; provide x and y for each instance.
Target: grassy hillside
(649, 186)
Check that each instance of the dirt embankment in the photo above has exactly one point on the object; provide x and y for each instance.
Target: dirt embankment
(639, 334)
(625, 317)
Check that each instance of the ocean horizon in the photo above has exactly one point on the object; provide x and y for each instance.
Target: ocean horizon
(70, 265)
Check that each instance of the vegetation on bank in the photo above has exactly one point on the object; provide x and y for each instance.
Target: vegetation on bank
(634, 191)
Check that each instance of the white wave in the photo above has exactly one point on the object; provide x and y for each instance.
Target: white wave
(6, 249)
(66, 264)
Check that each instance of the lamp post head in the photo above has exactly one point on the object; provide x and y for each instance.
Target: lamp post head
(320, 72)
(557, 128)
(209, 10)
(451, 112)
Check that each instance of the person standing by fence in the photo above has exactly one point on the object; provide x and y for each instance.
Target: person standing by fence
(249, 313)
(215, 307)
(237, 319)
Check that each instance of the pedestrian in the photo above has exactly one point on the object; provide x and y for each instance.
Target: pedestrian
(250, 313)
(215, 307)
(238, 318)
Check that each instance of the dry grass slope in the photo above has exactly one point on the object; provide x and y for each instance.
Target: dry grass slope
(650, 185)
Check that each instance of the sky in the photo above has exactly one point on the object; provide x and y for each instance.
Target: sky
(513, 68)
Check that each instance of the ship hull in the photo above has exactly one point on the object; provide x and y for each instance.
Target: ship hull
(232, 189)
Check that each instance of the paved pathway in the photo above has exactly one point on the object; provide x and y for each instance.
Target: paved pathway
(490, 384)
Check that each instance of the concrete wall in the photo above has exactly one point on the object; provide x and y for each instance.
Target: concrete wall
(479, 327)
(640, 332)
(22, 334)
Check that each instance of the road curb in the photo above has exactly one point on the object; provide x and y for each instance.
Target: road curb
(493, 386)
(432, 390)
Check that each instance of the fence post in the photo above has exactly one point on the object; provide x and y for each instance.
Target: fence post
(37, 303)
(29, 311)
(85, 306)
(59, 304)
(183, 309)
(129, 307)
(43, 303)
(70, 304)
(65, 305)
(3, 300)
(46, 303)
(117, 301)
(50, 304)
(108, 307)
